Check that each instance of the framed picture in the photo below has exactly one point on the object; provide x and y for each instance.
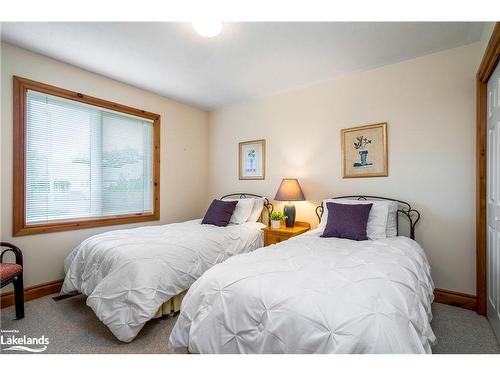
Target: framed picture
(364, 151)
(252, 160)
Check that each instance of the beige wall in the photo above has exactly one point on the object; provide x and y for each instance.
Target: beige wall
(429, 105)
(184, 151)
(485, 36)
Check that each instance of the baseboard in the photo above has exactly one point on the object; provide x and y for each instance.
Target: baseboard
(33, 292)
(448, 297)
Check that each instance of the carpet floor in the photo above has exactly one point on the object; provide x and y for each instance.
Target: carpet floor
(72, 327)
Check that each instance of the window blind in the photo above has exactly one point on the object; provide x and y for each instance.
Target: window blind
(84, 161)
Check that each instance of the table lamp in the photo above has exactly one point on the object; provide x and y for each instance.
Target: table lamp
(289, 190)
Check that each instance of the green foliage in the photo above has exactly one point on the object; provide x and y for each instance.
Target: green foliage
(122, 184)
(278, 215)
(119, 158)
(115, 158)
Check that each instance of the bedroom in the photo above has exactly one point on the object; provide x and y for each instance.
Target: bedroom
(169, 126)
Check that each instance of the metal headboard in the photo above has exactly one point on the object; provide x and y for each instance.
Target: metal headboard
(268, 205)
(405, 209)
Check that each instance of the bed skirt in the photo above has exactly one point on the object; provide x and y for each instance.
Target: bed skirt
(173, 305)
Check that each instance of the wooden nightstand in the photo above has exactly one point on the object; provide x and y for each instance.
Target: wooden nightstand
(272, 236)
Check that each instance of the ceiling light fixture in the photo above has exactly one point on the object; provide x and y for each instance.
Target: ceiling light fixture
(207, 29)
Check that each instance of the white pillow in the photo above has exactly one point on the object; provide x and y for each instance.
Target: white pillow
(258, 205)
(242, 211)
(392, 220)
(377, 219)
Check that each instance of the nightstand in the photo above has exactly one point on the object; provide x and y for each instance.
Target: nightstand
(272, 236)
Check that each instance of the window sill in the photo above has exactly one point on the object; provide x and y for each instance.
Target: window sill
(59, 226)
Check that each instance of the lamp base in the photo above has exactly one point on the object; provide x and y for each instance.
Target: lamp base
(289, 211)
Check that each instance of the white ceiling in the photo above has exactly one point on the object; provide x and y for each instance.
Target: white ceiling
(246, 60)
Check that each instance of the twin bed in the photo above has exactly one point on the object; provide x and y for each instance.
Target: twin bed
(131, 276)
(308, 294)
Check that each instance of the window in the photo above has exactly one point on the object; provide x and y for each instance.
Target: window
(80, 161)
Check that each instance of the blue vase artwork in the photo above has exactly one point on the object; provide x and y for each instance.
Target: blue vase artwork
(251, 166)
(360, 145)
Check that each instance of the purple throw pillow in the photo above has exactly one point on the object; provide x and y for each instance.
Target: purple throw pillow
(347, 221)
(219, 213)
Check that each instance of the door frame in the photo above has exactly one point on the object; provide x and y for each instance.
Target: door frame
(490, 60)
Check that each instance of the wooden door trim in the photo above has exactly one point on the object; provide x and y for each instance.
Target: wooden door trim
(488, 64)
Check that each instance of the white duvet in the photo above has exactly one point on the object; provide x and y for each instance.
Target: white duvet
(128, 274)
(312, 295)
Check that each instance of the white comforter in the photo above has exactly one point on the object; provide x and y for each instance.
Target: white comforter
(312, 295)
(128, 274)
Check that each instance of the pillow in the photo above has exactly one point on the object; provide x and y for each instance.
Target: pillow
(243, 210)
(391, 229)
(377, 220)
(347, 221)
(219, 213)
(258, 206)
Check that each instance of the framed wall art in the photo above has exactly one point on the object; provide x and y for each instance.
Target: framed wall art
(252, 160)
(364, 151)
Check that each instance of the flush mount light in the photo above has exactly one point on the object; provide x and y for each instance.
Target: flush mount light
(207, 29)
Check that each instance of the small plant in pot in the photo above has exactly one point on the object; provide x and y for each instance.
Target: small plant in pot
(276, 218)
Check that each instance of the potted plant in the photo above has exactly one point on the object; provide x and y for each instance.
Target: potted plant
(276, 218)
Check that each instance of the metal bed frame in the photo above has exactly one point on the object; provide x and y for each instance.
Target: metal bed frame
(268, 205)
(404, 209)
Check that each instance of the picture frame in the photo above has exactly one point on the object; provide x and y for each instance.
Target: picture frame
(364, 151)
(252, 160)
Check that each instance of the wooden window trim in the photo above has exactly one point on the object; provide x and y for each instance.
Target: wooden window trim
(19, 225)
(490, 60)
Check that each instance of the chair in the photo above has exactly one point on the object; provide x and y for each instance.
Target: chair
(13, 273)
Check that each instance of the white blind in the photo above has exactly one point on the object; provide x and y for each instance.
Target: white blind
(85, 161)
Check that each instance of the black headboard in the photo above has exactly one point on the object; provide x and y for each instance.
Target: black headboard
(405, 210)
(268, 205)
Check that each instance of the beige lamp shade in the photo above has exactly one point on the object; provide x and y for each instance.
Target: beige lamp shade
(289, 190)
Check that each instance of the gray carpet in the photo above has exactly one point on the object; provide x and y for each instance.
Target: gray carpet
(72, 327)
(460, 331)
